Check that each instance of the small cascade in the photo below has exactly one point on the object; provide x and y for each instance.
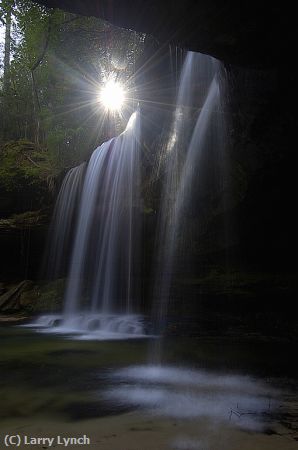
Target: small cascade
(92, 325)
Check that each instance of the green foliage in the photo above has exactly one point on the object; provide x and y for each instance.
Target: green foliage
(58, 61)
(22, 165)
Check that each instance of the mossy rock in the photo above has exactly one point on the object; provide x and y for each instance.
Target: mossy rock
(26, 220)
(22, 162)
(25, 171)
(47, 297)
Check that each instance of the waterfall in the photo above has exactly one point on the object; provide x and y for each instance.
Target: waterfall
(103, 249)
(198, 95)
(62, 223)
(104, 229)
(103, 270)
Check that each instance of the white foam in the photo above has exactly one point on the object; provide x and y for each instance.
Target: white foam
(92, 326)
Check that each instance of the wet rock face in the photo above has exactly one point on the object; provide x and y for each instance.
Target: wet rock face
(247, 33)
(21, 249)
(261, 132)
(250, 216)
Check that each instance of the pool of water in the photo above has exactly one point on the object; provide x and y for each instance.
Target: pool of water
(247, 385)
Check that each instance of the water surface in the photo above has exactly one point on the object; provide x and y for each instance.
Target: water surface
(239, 390)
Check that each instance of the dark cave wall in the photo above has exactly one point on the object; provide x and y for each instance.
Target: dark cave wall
(262, 144)
(256, 220)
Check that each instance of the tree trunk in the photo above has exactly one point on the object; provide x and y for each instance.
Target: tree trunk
(36, 103)
(36, 108)
(6, 74)
(7, 48)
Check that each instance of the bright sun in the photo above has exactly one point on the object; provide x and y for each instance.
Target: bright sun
(112, 96)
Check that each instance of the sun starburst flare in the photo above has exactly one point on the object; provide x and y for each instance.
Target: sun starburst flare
(112, 96)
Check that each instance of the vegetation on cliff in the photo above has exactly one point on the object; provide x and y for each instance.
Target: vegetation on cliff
(53, 64)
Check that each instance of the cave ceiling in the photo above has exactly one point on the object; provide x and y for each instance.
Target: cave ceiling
(254, 33)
